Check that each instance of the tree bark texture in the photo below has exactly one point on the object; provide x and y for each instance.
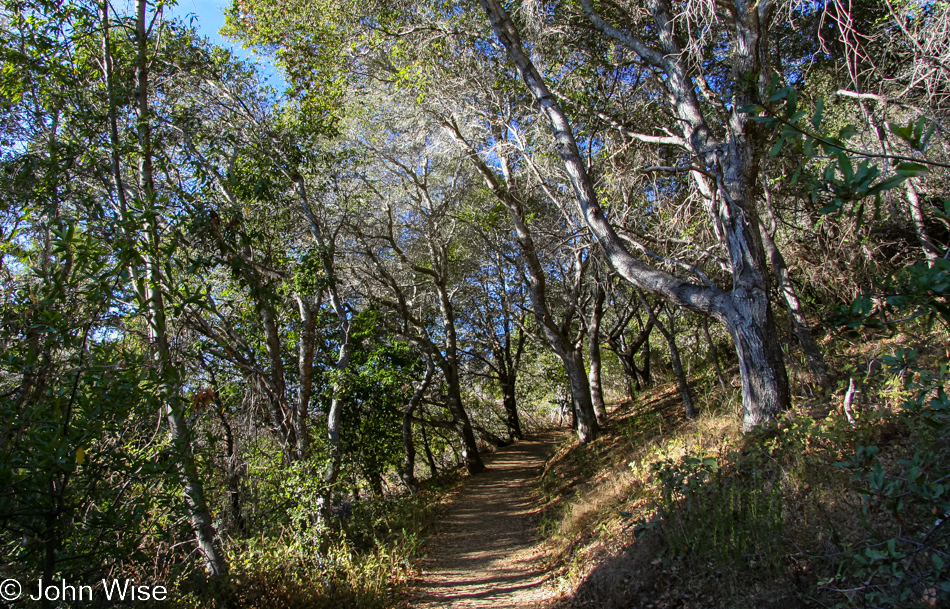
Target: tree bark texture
(816, 361)
(197, 506)
(556, 336)
(281, 418)
(593, 343)
(509, 401)
(305, 353)
(745, 310)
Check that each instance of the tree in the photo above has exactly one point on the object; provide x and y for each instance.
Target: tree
(413, 248)
(625, 304)
(100, 223)
(721, 162)
(726, 175)
(496, 314)
(153, 298)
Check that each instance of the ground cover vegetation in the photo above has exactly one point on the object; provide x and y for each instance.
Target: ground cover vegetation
(826, 507)
(233, 320)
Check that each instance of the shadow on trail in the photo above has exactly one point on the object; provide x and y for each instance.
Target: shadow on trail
(478, 552)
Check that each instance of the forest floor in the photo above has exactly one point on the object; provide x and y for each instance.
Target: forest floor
(483, 552)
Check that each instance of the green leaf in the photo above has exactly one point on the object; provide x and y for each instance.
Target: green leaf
(780, 94)
(847, 169)
(751, 109)
(919, 129)
(808, 148)
(911, 170)
(926, 139)
(885, 184)
(777, 147)
(905, 133)
(796, 174)
(819, 113)
(832, 145)
(859, 213)
(847, 132)
(791, 104)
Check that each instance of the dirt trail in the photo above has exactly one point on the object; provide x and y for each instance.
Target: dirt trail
(481, 553)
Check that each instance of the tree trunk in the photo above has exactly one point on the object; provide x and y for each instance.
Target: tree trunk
(455, 451)
(197, 506)
(512, 420)
(450, 368)
(335, 414)
(407, 473)
(761, 366)
(305, 350)
(430, 460)
(646, 372)
(233, 477)
(629, 368)
(408, 470)
(463, 426)
(816, 361)
(928, 247)
(714, 353)
(745, 310)
(281, 423)
(627, 350)
(585, 421)
(681, 379)
(335, 459)
(344, 332)
(537, 289)
(232, 474)
(593, 338)
(232, 471)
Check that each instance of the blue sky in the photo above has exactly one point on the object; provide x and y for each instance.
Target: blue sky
(208, 18)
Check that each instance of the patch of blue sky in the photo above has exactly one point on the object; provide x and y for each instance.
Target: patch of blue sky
(207, 17)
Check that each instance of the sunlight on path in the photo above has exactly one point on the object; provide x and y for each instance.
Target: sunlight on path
(481, 554)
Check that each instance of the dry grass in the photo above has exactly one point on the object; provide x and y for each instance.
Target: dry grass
(772, 517)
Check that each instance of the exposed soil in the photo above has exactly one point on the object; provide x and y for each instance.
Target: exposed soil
(482, 552)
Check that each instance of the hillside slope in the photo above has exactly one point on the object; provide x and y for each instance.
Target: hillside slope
(824, 508)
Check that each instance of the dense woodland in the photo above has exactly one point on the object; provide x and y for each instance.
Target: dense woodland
(244, 330)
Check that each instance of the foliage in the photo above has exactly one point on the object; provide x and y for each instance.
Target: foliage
(897, 568)
(918, 290)
(197, 275)
(800, 134)
(717, 516)
(363, 567)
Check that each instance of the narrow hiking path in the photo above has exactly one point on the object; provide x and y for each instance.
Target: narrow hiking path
(481, 551)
